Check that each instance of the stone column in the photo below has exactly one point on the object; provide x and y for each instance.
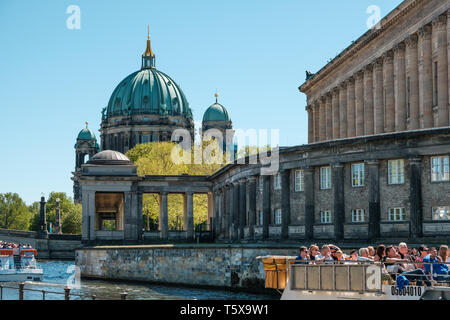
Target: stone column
(388, 86)
(285, 203)
(189, 215)
(43, 233)
(400, 87)
(378, 103)
(351, 120)
(309, 202)
(374, 199)
(163, 216)
(448, 58)
(425, 78)
(235, 216)
(266, 206)
(368, 100)
(316, 110)
(242, 207)
(251, 191)
(57, 226)
(322, 121)
(343, 110)
(359, 104)
(412, 85)
(227, 211)
(329, 112)
(416, 214)
(336, 113)
(339, 201)
(440, 27)
(310, 124)
(210, 211)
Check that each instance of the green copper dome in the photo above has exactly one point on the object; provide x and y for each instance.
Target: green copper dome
(216, 112)
(86, 134)
(148, 91)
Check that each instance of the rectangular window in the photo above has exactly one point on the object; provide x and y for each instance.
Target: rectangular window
(396, 171)
(440, 170)
(396, 214)
(260, 218)
(325, 178)
(299, 181)
(145, 138)
(441, 213)
(358, 215)
(278, 216)
(325, 216)
(261, 184)
(358, 174)
(277, 182)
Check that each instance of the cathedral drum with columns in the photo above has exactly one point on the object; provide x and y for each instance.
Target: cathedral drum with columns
(376, 166)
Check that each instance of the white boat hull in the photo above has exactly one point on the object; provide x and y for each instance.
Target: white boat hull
(389, 292)
(21, 275)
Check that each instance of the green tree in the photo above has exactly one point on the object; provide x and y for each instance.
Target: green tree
(14, 213)
(155, 158)
(70, 213)
(71, 220)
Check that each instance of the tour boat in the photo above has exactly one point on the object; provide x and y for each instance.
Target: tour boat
(348, 281)
(19, 267)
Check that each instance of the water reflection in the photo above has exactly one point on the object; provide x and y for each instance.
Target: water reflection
(56, 274)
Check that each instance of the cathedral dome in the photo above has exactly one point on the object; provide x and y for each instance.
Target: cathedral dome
(110, 157)
(148, 91)
(216, 112)
(86, 134)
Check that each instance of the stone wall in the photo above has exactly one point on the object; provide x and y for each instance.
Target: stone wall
(223, 266)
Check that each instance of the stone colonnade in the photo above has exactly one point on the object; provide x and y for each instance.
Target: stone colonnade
(404, 89)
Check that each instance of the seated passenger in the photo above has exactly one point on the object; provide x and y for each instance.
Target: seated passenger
(371, 252)
(303, 256)
(364, 255)
(380, 253)
(324, 256)
(422, 252)
(313, 252)
(439, 271)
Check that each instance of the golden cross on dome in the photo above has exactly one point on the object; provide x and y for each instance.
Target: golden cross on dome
(216, 95)
(86, 124)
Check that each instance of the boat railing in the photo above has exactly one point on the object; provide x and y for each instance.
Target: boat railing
(429, 277)
(354, 276)
(346, 275)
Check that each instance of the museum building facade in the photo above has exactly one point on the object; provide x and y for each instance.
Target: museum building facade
(376, 165)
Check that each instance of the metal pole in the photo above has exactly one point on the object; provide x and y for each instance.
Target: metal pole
(1, 292)
(21, 285)
(66, 293)
(123, 296)
(43, 294)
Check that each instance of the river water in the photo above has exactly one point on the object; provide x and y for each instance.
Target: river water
(60, 273)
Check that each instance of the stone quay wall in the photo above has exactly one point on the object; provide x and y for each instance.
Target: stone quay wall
(214, 265)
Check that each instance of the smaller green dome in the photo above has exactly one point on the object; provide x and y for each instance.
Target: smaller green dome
(216, 112)
(86, 134)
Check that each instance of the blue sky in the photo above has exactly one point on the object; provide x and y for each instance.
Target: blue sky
(254, 52)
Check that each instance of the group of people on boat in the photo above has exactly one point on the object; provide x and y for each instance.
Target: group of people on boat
(423, 264)
(12, 245)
